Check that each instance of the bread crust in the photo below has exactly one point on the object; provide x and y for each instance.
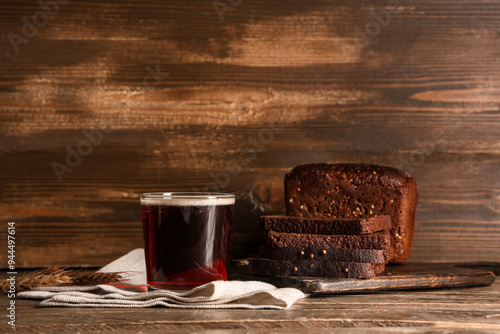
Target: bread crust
(261, 266)
(359, 191)
(326, 254)
(290, 224)
(379, 240)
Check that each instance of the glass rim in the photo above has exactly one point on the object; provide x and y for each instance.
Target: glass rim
(186, 195)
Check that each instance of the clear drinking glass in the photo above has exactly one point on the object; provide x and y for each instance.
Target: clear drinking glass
(187, 236)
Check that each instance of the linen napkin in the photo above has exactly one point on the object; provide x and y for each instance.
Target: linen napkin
(133, 292)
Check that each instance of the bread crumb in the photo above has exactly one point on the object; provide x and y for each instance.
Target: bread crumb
(374, 172)
(392, 201)
(311, 265)
(295, 269)
(324, 251)
(302, 253)
(346, 270)
(373, 206)
(311, 255)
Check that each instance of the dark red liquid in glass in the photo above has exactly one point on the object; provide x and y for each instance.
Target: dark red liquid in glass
(186, 245)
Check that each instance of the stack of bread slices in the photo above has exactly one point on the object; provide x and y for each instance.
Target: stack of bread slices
(344, 220)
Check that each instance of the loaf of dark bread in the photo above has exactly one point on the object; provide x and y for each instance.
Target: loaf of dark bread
(324, 254)
(290, 224)
(378, 240)
(359, 191)
(313, 267)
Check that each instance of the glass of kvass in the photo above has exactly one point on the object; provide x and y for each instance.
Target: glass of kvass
(187, 236)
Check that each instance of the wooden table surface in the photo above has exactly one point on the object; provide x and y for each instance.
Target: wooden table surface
(440, 310)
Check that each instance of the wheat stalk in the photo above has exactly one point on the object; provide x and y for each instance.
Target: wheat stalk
(54, 276)
(92, 278)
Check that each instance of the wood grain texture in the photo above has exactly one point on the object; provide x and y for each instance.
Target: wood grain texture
(421, 311)
(189, 101)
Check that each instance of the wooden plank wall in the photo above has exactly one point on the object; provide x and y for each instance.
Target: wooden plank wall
(229, 95)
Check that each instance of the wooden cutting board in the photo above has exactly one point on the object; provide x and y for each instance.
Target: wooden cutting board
(396, 277)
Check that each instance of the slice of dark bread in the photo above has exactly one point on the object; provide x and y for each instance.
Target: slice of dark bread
(260, 266)
(359, 191)
(324, 254)
(290, 224)
(378, 240)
